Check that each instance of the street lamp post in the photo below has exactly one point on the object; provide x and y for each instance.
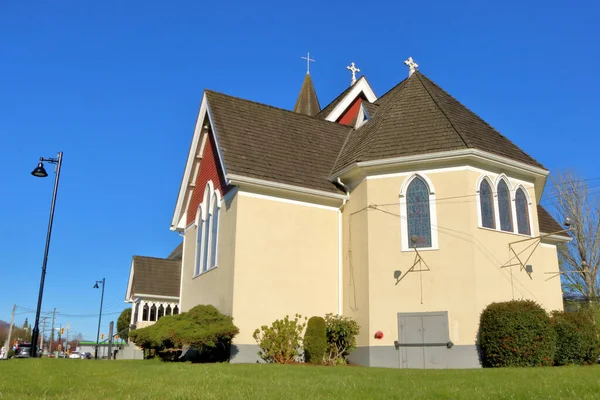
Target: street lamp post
(41, 173)
(102, 282)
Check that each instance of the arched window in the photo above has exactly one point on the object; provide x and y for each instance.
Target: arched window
(161, 312)
(486, 202)
(504, 208)
(214, 243)
(207, 230)
(199, 240)
(168, 310)
(145, 312)
(522, 206)
(175, 310)
(153, 313)
(418, 214)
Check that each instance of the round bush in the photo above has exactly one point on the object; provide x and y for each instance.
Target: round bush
(576, 338)
(516, 333)
(315, 341)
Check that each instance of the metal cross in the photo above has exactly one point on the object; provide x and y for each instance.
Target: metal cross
(354, 70)
(308, 60)
(412, 66)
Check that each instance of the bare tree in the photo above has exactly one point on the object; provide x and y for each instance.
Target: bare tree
(579, 260)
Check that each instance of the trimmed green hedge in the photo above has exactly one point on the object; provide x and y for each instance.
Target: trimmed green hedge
(202, 329)
(516, 333)
(315, 341)
(577, 339)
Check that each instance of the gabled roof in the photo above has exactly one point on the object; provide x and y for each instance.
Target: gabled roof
(307, 102)
(273, 144)
(360, 88)
(155, 276)
(418, 117)
(329, 108)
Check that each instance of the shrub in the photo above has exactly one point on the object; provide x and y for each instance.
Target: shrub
(10, 354)
(516, 333)
(280, 342)
(203, 332)
(123, 324)
(341, 338)
(577, 339)
(315, 341)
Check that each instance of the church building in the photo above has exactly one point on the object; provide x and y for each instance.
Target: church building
(405, 211)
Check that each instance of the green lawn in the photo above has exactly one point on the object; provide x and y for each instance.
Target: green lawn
(89, 379)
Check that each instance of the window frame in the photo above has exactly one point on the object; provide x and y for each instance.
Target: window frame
(502, 178)
(404, 214)
(527, 211)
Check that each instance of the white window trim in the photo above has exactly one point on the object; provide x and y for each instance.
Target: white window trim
(207, 236)
(494, 203)
(512, 190)
(404, 214)
(511, 196)
(216, 211)
(529, 217)
(198, 249)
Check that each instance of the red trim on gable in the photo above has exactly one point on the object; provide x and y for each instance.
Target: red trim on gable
(351, 112)
(210, 169)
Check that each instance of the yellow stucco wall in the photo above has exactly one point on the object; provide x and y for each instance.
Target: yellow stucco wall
(286, 262)
(355, 257)
(465, 271)
(216, 285)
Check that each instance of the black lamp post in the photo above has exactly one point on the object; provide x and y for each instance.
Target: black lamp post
(40, 172)
(99, 315)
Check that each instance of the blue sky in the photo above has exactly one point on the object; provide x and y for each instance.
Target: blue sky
(116, 86)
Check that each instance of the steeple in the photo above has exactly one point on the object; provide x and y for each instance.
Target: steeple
(307, 102)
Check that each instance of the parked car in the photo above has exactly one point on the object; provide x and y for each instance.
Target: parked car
(75, 355)
(23, 351)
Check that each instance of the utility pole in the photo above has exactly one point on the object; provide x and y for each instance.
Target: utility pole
(67, 348)
(43, 324)
(110, 339)
(52, 331)
(12, 321)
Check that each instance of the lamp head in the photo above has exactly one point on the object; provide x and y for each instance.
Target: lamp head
(40, 171)
(96, 286)
(568, 222)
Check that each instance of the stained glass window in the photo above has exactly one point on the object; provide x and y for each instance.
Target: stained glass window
(486, 200)
(522, 212)
(418, 214)
(504, 208)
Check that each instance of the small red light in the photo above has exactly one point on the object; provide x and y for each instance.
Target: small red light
(378, 335)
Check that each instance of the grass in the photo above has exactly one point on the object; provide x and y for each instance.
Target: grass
(89, 379)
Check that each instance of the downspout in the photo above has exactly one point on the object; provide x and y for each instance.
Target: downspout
(340, 258)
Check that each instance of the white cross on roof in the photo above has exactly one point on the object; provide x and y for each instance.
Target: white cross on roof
(308, 60)
(354, 70)
(412, 65)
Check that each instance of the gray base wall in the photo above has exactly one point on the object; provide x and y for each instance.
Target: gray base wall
(245, 354)
(459, 356)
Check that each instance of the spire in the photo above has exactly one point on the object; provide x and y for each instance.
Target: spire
(307, 102)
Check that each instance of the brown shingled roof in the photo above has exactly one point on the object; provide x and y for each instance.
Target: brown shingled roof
(274, 144)
(156, 276)
(418, 117)
(548, 224)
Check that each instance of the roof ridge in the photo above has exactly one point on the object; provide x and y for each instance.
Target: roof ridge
(383, 112)
(418, 74)
(273, 107)
(482, 120)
